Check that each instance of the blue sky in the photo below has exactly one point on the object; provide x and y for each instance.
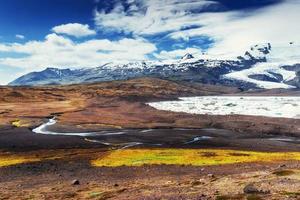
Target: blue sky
(37, 34)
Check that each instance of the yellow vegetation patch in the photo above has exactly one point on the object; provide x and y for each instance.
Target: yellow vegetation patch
(20, 123)
(14, 160)
(9, 158)
(16, 123)
(195, 157)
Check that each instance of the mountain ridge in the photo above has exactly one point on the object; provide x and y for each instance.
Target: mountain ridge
(263, 66)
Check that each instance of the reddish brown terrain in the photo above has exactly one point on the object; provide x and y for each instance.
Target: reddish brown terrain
(118, 106)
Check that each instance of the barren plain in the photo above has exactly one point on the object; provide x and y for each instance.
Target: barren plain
(139, 152)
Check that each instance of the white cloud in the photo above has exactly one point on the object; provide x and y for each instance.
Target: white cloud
(149, 17)
(233, 31)
(19, 36)
(74, 29)
(59, 51)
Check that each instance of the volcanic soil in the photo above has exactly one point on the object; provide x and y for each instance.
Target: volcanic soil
(36, 166)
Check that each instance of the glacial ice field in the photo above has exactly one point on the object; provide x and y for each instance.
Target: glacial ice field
(270, 106)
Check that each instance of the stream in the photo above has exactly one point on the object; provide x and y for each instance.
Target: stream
(178, 138)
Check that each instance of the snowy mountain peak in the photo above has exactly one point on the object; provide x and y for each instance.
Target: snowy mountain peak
(54, 71)
(187, 56)
(258, 52)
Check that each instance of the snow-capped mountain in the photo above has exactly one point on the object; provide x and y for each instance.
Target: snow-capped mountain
(278, 66)
(262, 66)
(187, 56)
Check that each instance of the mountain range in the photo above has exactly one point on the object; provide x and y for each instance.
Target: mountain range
(262, 66)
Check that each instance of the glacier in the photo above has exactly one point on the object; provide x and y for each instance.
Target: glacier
(268, 106)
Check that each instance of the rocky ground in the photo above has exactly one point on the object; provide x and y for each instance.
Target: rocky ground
(58, 167)
(74, 178)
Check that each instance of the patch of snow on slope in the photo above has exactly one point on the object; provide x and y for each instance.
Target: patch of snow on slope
(263, 68)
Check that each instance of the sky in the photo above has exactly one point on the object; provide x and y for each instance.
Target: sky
(37, 34)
